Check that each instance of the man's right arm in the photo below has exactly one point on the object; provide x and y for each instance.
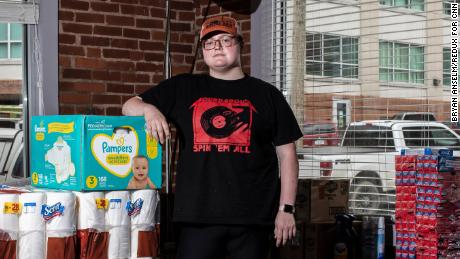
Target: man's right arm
(155, 121)
(134, 107)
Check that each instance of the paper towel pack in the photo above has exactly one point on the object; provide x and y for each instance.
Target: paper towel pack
(119, 224)
(9, 224)
(31, 226)
(60, 218)
(144, 236)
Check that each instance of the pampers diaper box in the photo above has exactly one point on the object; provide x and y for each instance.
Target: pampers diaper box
(88, 153)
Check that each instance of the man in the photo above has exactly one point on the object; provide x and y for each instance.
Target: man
(234, 130)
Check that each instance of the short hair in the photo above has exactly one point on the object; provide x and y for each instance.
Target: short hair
(140, 156)
(240, 41)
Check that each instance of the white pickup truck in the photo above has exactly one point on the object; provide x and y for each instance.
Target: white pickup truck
(11, 155)
(366, 156)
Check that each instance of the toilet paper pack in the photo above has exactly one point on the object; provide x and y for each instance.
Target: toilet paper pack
(89, 153)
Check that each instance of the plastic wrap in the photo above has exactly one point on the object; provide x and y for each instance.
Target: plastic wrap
(91, 231)
(144, 236)
(31, 226)
(9, 215)
(9, 224)
(60, 217)
(92, 244)
(91, 210)
(17, 187)
(59, 214)
(119, 224)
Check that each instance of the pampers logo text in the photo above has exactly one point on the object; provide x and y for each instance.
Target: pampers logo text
(115, 152)
(107, 148)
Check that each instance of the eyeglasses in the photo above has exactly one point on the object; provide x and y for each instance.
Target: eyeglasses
(226, 41)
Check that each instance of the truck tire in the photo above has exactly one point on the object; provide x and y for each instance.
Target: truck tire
(365, 197)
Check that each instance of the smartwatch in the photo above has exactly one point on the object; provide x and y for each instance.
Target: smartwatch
(287, 208)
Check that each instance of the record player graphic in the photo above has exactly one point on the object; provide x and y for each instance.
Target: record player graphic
(222, 121)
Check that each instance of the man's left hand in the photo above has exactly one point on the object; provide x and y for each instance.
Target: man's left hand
(284, 227)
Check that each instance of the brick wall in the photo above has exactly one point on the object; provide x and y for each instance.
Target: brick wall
(10, 92)
(114, 49)
(11, 87)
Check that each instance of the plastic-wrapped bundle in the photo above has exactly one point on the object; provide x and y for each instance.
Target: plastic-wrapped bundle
(9, 224)
(118, 223)
(143, 211)
(31, 226)
(59, 214)
(91, 231)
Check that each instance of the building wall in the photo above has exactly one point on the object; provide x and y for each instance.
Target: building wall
(112, 50)
(10, 82)
(318, 107)
(370, 97)
(11, 70)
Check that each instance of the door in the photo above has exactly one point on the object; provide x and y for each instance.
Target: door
(341, 114)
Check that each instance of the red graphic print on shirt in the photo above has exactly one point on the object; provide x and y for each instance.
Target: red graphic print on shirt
(222, 123)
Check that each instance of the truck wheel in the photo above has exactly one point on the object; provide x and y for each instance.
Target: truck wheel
(365, 197)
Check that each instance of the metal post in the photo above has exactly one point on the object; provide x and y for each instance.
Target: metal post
(167, 231)
(167, 74)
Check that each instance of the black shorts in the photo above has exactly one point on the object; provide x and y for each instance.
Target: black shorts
(198, 241)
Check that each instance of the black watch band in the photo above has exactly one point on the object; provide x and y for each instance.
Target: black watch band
(287, 208)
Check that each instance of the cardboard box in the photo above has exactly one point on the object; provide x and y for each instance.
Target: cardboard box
(79, 152)
(302, 201)
(319, 241)
(328, 198)
(311, 241)
(294, 247)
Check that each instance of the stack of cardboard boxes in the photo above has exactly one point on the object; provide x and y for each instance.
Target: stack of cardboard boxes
(317, 203)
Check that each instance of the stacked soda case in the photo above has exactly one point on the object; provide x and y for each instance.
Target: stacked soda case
(435, 231)
(448, 213)
(64, 224)
(405, 208)
(428, 199)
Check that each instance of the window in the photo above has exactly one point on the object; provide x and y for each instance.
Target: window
(446, 66)
(331, 55)
(11, 75)
(25, 45)
(11, 100)
(446, 5)
(311, 129)
(401, 62)
(368, 136)
(414, 116)
(430, 137)
(418, 5)
(10, 41)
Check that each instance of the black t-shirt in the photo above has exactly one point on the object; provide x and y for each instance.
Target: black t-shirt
(228, 168)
